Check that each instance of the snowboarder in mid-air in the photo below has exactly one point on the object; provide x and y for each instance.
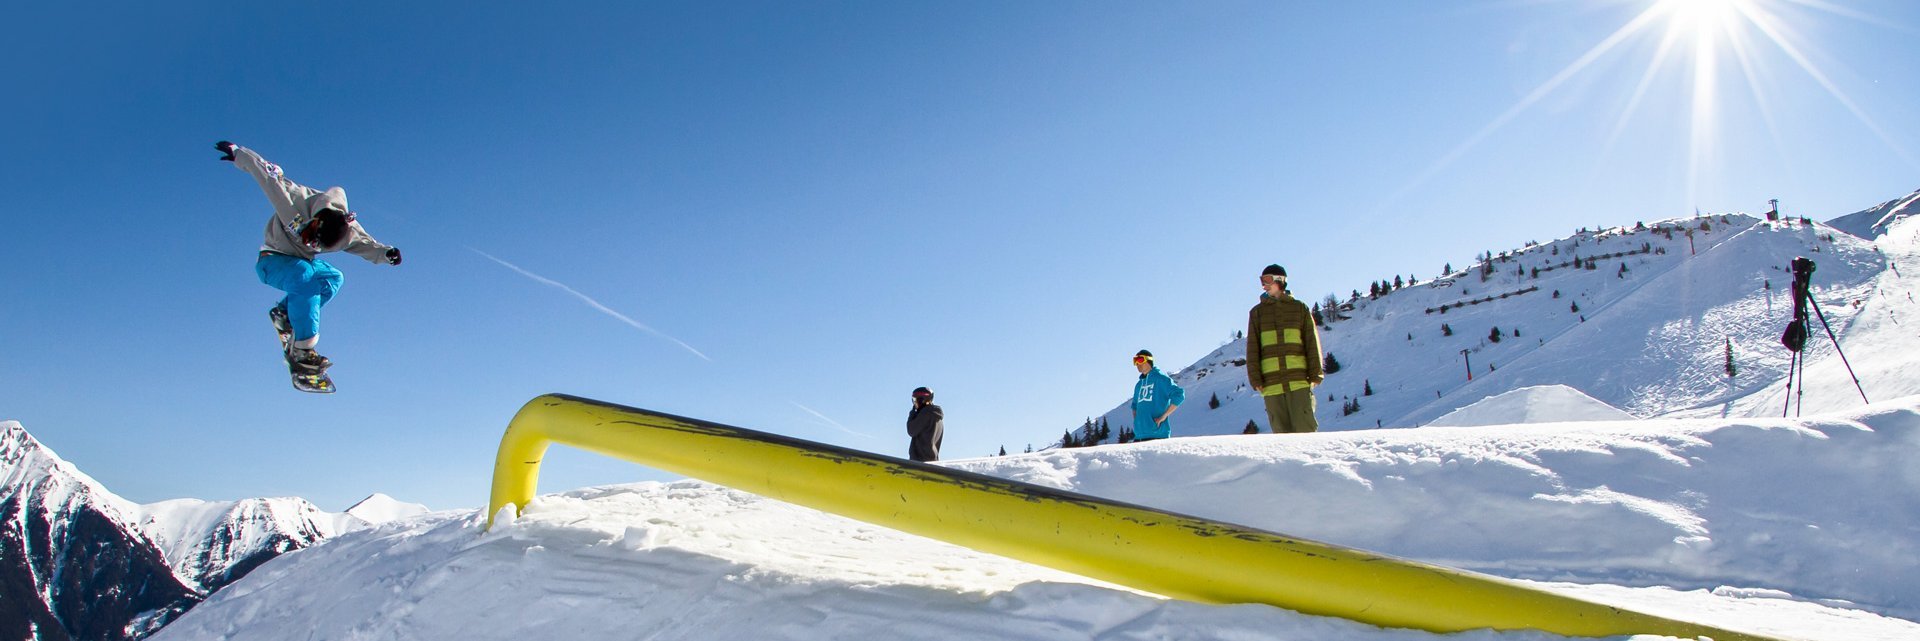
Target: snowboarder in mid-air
(306, 222)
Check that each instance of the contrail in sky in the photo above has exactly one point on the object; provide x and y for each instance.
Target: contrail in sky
(596, 304)
(829, 421)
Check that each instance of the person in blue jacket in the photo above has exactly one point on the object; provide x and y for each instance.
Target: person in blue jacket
(1155, 398)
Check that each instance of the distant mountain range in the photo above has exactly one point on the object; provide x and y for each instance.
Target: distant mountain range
(1643, 317)
(78, 562)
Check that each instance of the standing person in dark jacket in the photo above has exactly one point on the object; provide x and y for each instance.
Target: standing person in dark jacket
(1283, 354)
(924, 427)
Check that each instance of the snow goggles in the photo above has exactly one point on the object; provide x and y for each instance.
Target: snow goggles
(1141, 359)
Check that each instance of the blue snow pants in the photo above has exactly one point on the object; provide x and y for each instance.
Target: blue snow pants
(309, 284)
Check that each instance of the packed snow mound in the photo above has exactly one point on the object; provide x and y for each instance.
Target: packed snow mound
(1805, 529)
(380, 508)
(1536, 404)
(1872, 222)
(210, 543)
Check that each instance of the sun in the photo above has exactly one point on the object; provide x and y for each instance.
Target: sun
(1735, 44)
(1704, 20)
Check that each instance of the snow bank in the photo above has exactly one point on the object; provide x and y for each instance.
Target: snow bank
(380, 508)
(1535, 404)
(1799, 528)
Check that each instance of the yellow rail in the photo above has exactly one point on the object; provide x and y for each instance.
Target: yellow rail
(1153, 550)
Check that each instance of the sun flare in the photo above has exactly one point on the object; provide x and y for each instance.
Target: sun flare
(1703, 19)
(1731, 54)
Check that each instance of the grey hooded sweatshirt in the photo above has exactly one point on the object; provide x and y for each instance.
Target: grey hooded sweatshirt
(294, 205)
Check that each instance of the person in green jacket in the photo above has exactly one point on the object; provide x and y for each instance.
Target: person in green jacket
(1283, 354)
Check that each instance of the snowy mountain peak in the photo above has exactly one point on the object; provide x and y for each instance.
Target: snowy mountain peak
(212, 543)
(1875, 221)
(72, 564)
(29, 468)
(380, 508)
(79, 562)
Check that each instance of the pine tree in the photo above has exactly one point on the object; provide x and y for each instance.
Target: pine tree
(1731, 370)
(1066, 440)
(1556, 294)
(1330, 365)
(1104, 432)
(1397, 283)
(1446, 330)
(1003, 450)
(1447, 270)
(1623, 271)
(1251, 428)
(1516, 332)
(1576, 309)
(1373, 291)
(1214, 403)
(1029, 448)
(1369, 388)
(1495, 335)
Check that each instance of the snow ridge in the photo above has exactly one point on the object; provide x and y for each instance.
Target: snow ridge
(1642, 322)
(1712, 521)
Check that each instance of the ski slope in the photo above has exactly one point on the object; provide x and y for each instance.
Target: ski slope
(1800, 528)
(1534, 404)
(1650, 340)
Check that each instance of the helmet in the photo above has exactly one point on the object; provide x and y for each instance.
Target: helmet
(330, 230)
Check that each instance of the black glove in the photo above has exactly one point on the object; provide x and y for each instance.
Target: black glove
(393, 256)
(225, 148)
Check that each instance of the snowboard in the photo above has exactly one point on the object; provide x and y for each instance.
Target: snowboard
(319, 383)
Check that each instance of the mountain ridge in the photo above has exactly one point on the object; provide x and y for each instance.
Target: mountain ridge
(1667, 300)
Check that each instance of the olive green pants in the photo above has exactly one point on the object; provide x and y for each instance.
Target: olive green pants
(1291, 412)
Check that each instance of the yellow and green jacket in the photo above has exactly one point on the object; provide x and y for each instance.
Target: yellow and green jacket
(1283, 346)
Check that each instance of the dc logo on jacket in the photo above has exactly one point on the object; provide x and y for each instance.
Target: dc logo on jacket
(1146, 393)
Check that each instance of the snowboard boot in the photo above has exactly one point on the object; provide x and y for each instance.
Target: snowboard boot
(307, 361)
(279, 316)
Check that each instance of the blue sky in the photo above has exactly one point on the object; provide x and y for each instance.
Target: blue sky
(786, 216)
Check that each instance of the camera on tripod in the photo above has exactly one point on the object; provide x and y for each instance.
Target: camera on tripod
(1795, 338)
(1802, 270)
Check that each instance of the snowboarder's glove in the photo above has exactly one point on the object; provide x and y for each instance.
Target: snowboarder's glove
(225, 148)
(393, 256)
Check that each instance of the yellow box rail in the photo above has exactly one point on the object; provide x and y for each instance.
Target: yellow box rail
(1153, 550)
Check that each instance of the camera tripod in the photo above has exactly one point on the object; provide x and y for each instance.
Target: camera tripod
(1795, 338)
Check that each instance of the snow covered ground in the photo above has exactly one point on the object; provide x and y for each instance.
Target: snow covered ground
(1803, 529)
(1645, 330)
(1536, 404)
(1796, 528)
